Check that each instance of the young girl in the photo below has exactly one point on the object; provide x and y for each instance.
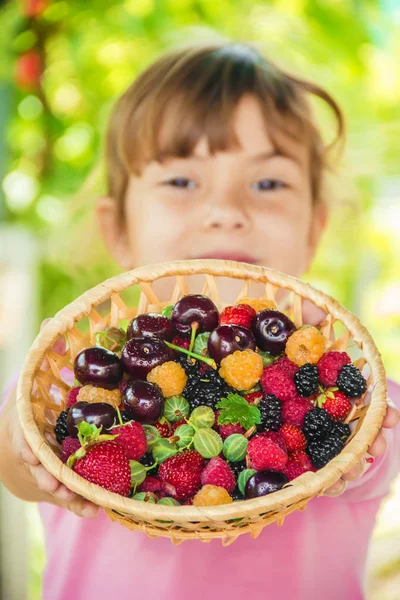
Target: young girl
(212, 152)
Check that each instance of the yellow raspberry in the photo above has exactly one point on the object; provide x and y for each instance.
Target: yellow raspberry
(259, 303)
(242, 369)
(90, 393)
(306, 345)
(170, 377)
(212, 495)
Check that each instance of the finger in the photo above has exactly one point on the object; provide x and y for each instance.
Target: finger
(336, 489)
(356, 472)
(23, 448)
(83, 508)
(312, 315)
(378, 446)
(392, 415)
(45, 480)
(63, 493)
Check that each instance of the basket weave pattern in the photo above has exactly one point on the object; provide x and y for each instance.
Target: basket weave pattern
(38, 390)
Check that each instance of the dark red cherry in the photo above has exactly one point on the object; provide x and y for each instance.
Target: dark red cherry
(194, 308)
(272, 329)
(226, 339)
(98, 366)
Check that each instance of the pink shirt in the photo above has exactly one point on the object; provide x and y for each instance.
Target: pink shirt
(317, 553)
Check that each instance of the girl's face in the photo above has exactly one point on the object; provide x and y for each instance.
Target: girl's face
(253, 204)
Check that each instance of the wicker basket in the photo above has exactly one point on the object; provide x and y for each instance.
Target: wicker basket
(38, 407)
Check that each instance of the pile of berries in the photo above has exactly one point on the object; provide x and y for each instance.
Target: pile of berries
(193, 406)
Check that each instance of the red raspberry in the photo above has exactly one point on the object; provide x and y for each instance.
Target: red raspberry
(152, 484)
(218, 472)
(132, 438)
(286, 365)
(276, 382)
(243, 314)
(264, 453)
(181, 474)
(293, 412)
(275, 437)
(338, 407)
(329, 366)
(227, 429)
(163, 428)
(181, 342)
(176, 425)
(72, 395)
(294, 437)
(298, 463)
(69, 446)
(254, 397)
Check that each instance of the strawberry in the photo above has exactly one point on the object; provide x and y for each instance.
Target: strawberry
(254, 397)
(336, 404)
(181, 474)
(132, 438)
(264, 453)
(163, 428)
(243, 315)
(294, 437)
(298, 463)
(106, 464)
(218, 472)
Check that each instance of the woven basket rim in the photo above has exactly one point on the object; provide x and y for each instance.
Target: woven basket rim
(306, 486)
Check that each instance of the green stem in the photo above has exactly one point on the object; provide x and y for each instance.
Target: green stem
(208, 361)
(119, 416)
(195, 327)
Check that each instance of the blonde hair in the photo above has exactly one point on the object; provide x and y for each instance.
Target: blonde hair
(200, 88)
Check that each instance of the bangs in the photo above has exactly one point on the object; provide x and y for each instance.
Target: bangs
(193, 93)
(200, 100)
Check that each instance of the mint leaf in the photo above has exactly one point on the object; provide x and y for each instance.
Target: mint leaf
(235, 409)
(167, 311)
(201, 343)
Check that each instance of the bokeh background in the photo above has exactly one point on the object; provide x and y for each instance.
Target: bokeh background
(62, 64)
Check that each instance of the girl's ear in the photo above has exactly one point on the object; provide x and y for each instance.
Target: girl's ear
(318, 226)
(113, 231)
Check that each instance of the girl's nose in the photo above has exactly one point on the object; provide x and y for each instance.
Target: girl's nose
(226, 217)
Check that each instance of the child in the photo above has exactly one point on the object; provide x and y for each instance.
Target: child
(211, 152)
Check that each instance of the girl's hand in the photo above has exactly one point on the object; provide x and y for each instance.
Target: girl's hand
(314, 316)
(53, 491)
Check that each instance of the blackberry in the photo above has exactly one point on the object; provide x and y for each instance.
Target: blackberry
(147, 460)
(350, 381)
(126, 416)
(237, 494)
(271, 413)
(342, 430)
(237, 467)
(317, 424)
(206, 389)
(306, 379)
(322, 451)
(60, 429)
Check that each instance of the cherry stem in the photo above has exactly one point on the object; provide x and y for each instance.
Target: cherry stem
(208, 361)
(119, 416)
(194, 327)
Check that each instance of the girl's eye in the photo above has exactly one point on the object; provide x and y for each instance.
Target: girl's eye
(267, 185)
(181, 182)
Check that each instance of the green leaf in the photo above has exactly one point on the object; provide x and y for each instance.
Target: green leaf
(236, 409)
(201, 343)
(167, 311)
